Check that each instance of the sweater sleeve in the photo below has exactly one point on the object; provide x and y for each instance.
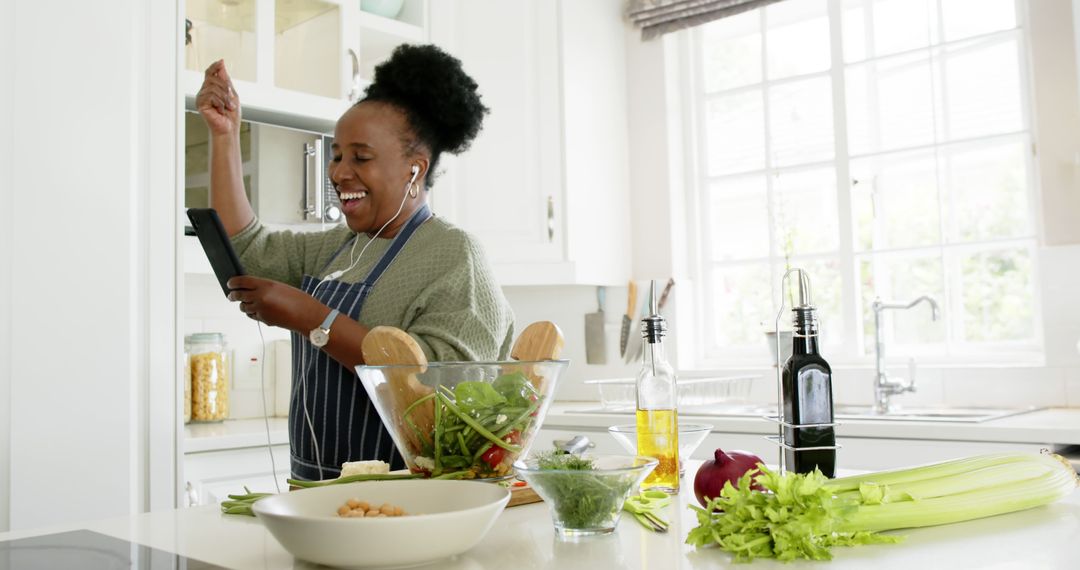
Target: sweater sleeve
(463, 315)
(285, 255)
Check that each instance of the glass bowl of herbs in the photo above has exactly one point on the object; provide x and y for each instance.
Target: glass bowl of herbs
(585, 493)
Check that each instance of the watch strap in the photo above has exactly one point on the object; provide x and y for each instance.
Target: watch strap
(329, 320)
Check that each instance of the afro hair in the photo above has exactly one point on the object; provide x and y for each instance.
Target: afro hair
(439, 99)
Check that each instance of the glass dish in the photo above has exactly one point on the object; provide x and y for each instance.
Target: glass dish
(479, 404)
(587, 502)
(690, 438)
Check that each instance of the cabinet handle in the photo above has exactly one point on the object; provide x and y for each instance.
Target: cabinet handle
(354, 91)
(551, 218)
(306, 208)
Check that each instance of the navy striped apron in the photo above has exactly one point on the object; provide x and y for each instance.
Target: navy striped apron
(346, 424)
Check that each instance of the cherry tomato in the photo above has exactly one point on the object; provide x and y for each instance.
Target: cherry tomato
(495, 454)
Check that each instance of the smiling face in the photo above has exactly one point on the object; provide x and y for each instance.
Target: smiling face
(371, 167)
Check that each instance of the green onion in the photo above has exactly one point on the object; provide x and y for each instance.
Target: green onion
(803, 516)
(354, 479)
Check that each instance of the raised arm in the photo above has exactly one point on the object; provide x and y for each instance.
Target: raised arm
(219, 106)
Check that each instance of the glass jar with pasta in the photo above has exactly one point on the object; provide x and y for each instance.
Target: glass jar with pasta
(208, 362)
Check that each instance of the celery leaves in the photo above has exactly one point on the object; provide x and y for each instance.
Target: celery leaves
(797, 518)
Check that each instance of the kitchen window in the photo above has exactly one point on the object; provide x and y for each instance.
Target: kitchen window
(884, 146)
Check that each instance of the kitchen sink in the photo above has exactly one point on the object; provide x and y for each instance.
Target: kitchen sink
(967, 415)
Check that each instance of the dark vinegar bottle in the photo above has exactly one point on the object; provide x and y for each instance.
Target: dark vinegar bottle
(807, 394)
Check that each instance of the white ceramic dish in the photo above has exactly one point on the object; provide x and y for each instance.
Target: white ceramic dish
(445, 518)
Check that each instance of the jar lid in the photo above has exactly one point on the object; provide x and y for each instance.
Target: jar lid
(205, 337)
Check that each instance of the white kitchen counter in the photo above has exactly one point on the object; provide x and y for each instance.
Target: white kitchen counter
(1042, 427)
(234, 434)
(523, 538)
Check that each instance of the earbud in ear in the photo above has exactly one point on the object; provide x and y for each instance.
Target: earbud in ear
(415, 169)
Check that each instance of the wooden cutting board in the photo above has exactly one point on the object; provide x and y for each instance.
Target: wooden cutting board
(523, 495)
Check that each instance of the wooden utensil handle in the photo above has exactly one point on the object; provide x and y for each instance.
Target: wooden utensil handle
(542, 340)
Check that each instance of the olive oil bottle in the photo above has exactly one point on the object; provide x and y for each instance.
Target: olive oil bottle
(657, 415)
(807, 393)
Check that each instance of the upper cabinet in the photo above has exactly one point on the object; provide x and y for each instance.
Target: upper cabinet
(297, 63)
(545, 185)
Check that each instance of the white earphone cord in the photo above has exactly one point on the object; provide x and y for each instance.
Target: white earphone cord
(334, 275)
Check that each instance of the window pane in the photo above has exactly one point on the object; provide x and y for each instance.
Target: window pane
(983, 89)
(898, 26)
(997, 296)
(826, 287)
(731, 51)
(890, 104)
(895, 201)
(741, 302)
(738, 218)
(805, 210)
(966, 18)
(902, 278)
(735, 140)
(800, 122)
(797, 40)
(988, 191)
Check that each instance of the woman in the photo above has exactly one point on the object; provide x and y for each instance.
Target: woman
(392, 263)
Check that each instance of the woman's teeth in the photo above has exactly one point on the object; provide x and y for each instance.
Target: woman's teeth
(353, 195)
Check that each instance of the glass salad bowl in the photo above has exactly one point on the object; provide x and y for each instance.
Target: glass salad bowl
(584, 493)
(690, 438)
(467, 420)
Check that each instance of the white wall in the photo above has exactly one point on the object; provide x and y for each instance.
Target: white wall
(7, 112)
(93, 109)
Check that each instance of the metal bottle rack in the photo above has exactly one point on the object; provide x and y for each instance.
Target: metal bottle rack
(781, 439)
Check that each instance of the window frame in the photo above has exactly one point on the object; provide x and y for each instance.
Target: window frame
(693, 100)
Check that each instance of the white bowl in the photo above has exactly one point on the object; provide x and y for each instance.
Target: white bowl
(444, 518)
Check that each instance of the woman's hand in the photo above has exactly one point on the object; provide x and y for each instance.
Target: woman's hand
(277, 304)
(217, 101)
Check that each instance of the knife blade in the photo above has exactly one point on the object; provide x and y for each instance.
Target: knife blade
(631, 302)
(595, 344)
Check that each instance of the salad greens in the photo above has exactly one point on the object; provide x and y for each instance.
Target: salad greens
(580, 501)
(478, 427)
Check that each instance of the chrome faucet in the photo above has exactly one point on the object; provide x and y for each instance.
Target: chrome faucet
(884, 387)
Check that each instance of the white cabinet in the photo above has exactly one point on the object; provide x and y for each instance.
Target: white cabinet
(294, 62)
(209, 477)
(545, 185)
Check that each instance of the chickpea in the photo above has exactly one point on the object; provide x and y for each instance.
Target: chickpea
(354, 508)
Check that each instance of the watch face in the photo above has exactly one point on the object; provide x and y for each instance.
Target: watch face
(319, 337)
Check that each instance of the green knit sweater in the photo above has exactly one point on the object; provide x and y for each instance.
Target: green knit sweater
(439, 289)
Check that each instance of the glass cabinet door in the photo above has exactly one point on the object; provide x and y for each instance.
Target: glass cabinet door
(221, 29)
(308, 49)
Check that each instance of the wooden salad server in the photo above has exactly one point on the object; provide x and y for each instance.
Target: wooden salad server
(390, 346)
(542, 340)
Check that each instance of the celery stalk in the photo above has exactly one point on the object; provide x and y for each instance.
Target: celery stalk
(931, 471)
(804, 516)
(1008, 497)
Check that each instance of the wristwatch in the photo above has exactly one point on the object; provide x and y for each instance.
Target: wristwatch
(321, 335)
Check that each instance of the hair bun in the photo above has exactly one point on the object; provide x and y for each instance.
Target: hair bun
(433, 89)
